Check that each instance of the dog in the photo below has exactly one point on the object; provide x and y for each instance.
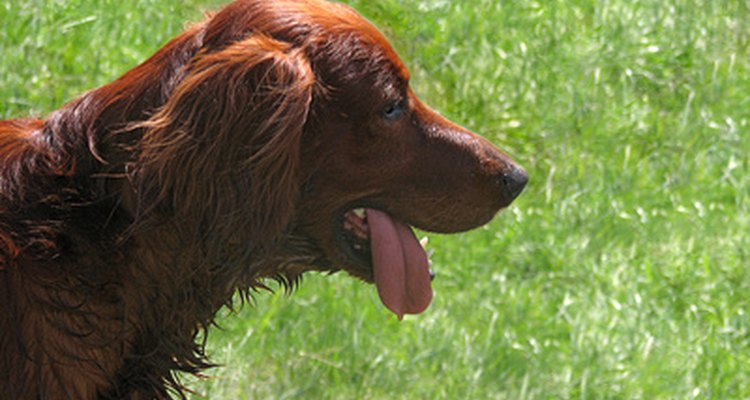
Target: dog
(271, 139)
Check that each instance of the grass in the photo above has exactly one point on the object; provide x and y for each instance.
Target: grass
(622, 272)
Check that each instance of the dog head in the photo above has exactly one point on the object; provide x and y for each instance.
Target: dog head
(301, 115)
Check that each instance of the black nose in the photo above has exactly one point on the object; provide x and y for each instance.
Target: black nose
(514, 181)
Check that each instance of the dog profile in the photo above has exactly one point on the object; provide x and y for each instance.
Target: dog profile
(271, 139)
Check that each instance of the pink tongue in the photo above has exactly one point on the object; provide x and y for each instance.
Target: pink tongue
(401, 268)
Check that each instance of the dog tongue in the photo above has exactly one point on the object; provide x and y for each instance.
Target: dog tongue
(400, 265)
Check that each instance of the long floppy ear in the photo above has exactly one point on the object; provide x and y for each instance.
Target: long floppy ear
(222, 155)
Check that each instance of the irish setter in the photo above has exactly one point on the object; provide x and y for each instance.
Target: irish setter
(273, 138)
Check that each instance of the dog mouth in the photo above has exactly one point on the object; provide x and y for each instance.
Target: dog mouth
(385, 251)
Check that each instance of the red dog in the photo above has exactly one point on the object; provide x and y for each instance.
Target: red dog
(274, 138)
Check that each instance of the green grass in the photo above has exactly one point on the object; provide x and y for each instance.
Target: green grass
(622, 271)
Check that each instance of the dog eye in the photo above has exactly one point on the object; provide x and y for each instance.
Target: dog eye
(394, 111)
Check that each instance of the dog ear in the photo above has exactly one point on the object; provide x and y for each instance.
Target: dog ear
(222, 155)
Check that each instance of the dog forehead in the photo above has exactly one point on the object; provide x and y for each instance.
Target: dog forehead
(338, 22)
(324, 29)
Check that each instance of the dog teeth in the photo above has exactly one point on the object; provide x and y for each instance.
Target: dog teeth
(423, 242)
(360, 212)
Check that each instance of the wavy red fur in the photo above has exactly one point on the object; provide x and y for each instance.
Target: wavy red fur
(132, 214)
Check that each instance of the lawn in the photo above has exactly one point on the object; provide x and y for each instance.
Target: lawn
(621, 272)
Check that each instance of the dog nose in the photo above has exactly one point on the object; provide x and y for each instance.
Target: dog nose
(514, 181)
